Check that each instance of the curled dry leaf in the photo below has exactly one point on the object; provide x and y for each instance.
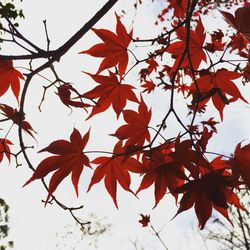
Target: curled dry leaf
(64, 93)
(15, 116)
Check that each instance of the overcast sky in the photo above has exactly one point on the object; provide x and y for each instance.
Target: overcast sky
(32, 225)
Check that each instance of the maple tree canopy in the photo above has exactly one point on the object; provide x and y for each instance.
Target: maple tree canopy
(208, 70)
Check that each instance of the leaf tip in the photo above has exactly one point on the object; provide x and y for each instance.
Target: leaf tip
(28, 182)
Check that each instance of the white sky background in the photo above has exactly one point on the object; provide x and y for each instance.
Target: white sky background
(31, 223)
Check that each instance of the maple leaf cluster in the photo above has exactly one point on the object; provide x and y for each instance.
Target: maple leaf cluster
(181, 63)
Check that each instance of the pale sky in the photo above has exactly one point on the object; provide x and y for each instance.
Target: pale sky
(32, 225)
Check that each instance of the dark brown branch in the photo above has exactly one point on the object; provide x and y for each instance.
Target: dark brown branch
(60, 52)
(56, 57)
(17, 34)
(43, 54)
(47, 34)
(57, 54)
(78, 35)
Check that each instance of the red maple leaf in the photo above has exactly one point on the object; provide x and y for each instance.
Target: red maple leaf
(216, 86)
(158, 168)
(211, 123)
(179, 10)
(4, 148)
(238, 42)
(204, 138)
(216, 43)
(148, 86)
(115, 169)
(180, 7)
(145, 220)
(241, 20)
(114, 48)
(110, 91)
(241, 163)
(9, 77)
(212, 190)
(152, 65)
(68, 158)
(14, 115)
(64, 93)
(136, 130)
(184, 155)
(196, 41)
